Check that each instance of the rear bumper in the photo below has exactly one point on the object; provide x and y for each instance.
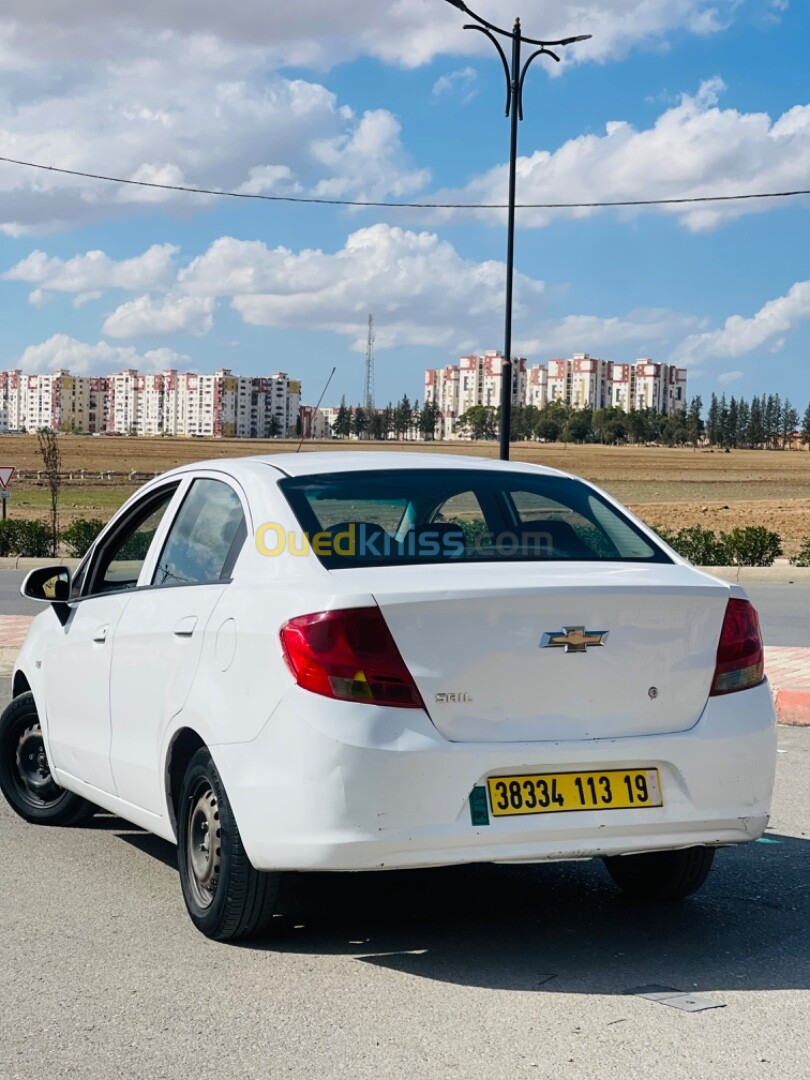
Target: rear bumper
(328, 787)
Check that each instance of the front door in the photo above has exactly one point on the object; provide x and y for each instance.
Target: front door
(76, 668)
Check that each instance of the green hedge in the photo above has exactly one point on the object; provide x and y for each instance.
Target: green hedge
(29, 538)
(753, 545)
(80, 534)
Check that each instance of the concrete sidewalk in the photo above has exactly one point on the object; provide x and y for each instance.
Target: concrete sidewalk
(788, 670)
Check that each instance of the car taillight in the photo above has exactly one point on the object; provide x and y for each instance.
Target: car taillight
(349, 655)
(740, 656)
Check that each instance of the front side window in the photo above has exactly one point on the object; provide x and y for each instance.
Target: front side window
(122, 555)
(399, 516)
(205, 537)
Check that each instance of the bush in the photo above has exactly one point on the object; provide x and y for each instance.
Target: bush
(752, 546)
(700, 546)
(803, 558)
(80, 534)
(31, 539)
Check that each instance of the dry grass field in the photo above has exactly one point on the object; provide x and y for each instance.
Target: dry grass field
(666, 487)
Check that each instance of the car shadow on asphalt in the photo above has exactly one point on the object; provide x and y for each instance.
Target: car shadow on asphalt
(563, 927)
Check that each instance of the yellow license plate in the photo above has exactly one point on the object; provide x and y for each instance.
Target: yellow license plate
(554, 793)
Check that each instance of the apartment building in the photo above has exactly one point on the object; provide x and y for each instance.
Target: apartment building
(57, 400)
(537, 386)
(222, 405)
(475, 380)
(583, 382)
(649, 385)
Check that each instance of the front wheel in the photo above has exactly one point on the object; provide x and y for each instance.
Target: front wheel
(225, 896)
(661, 875)
(25, 775)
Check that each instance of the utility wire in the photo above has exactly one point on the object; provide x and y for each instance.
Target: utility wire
(406, 205)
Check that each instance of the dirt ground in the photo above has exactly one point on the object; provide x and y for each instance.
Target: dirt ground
(673, 488)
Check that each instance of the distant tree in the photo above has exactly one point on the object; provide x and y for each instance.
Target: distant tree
(359, 422)
(790, 423)
(428, 420)
(479, 422)
(713, 421)
(578, 428)
(694, 421)
(342, 427)
(52, 460)
(403, 417)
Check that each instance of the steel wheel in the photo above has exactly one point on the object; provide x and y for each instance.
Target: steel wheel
(35, 784)
(225, 896)
(203, 836)
(25, 773)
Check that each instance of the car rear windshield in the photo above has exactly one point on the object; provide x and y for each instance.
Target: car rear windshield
(401, 516)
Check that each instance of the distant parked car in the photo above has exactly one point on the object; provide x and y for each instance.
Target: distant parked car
(375, 660)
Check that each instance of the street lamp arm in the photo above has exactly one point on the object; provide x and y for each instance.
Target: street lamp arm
(502, 54)
(509, 33)
(526, 66)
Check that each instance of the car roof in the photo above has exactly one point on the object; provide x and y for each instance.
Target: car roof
(317, 462)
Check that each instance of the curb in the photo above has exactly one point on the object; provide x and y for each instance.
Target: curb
(21, 562)
(8, 658)
(761, 575)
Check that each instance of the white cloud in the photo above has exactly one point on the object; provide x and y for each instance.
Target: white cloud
(418, 286)
(638, 333)
(164, 120)
(740, 335)
(462, 80)
(727, 377)
(94, 271)
(61, 351)
(320, 33)
(146, 317)
(693, 148)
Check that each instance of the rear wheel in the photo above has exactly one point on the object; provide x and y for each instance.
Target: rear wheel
(225, 896)
(25, 775)
(661, 875)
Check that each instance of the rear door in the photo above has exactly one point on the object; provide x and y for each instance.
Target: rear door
(160, 635)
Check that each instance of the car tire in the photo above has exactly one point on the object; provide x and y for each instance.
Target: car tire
(661, 875)
(25, 775)
(225, 896)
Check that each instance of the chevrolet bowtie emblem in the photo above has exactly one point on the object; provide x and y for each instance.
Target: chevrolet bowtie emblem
(573, 639)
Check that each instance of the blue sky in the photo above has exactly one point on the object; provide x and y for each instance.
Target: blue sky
(394, 102)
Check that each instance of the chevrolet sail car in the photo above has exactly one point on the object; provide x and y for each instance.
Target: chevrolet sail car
(365, 661)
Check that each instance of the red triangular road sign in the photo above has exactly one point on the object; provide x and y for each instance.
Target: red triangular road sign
(6, 473)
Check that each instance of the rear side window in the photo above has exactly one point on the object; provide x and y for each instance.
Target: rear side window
(439, 515)
(205, 537)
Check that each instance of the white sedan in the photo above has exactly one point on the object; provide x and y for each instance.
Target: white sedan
(364, 661)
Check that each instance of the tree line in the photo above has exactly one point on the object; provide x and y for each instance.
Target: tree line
(401, 421)
(766, 422)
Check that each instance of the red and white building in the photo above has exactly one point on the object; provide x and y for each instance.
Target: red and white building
(649, 385)
(475, 380)
(222, 405)
(583, 382)
(537, 386)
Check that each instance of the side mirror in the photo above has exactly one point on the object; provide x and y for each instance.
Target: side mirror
(49, 585)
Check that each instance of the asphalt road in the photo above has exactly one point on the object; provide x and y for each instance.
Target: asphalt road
(485, 972)
(784, 609)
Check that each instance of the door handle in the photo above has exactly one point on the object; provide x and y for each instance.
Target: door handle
(100, 636)
(185, 628)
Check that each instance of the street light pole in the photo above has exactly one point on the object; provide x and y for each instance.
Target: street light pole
(515, 78)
